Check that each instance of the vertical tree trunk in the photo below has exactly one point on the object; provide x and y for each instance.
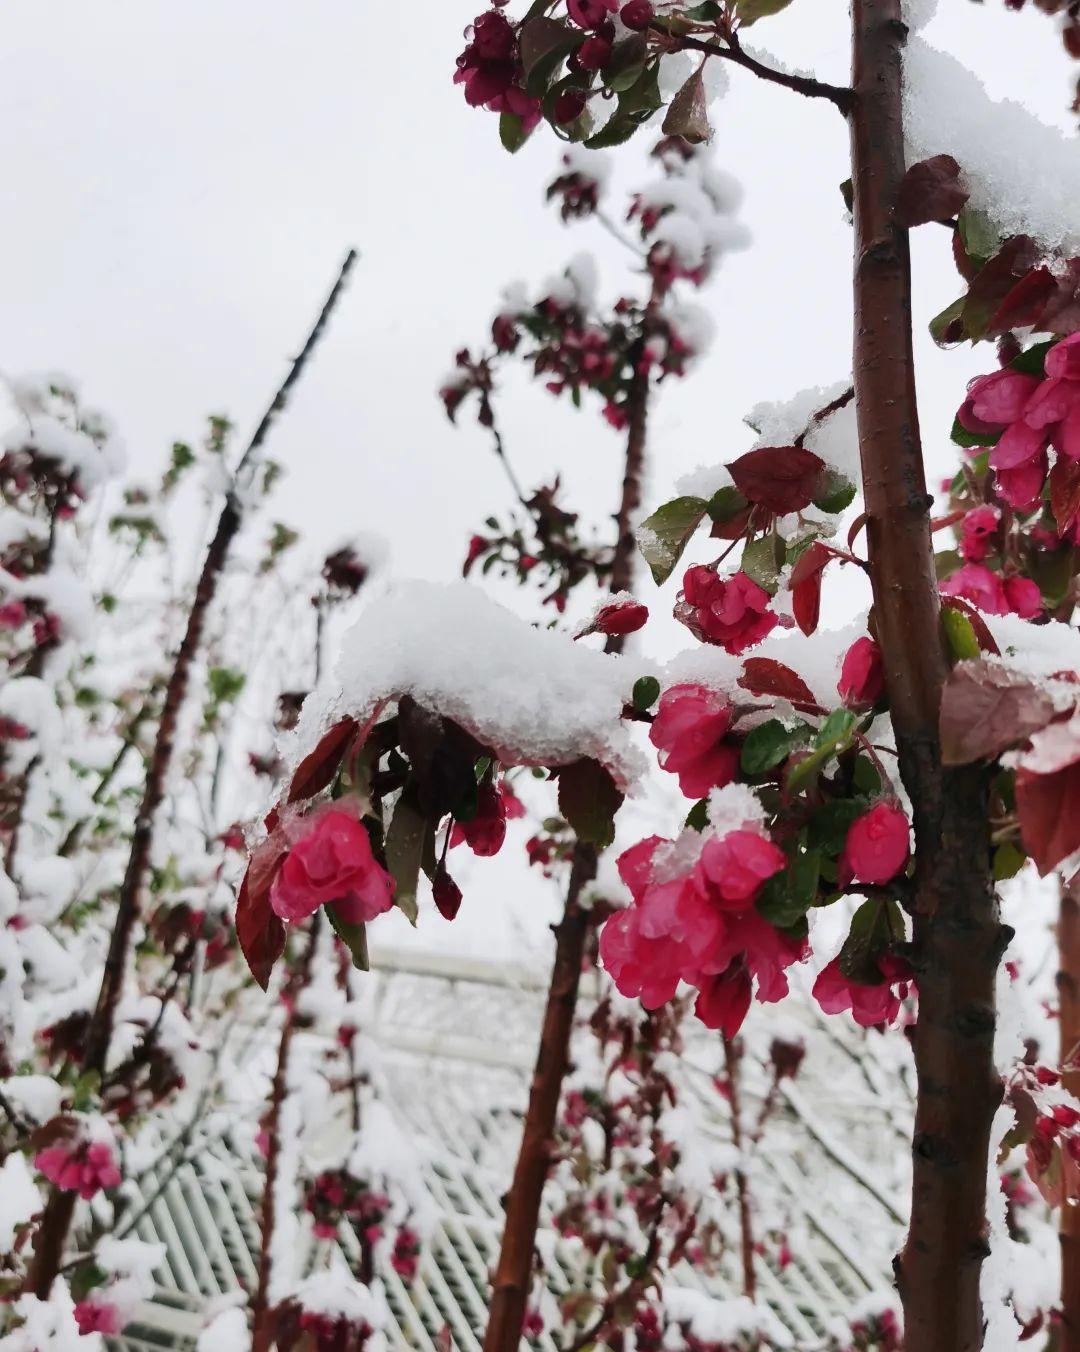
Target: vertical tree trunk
(513, 1274)
(958, 939)
(732, 1064)
(59, 1210)
(262, 1331)
(1068, 982)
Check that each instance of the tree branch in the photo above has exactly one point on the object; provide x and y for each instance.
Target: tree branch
(838, 95)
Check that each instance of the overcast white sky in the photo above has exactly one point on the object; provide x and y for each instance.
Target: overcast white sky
(180, 182)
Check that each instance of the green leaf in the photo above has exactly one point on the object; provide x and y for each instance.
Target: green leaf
(874, 926)
(626, 63)
(646, 692)
(762, 560)
(786, 897)
(404, 848)
(663, 536)
(697, 819)
(831, 737)
(589, 800)
(1052, 571)
(726, 504)
(354, 937)
(1032, 361)
(707, 12)
(770, 743)
(1008, 861)
(959, 634)
(225, 683)
(979, 235)
(512, 132)
(637, 103)
(85, 1278)
(749, 11)
(834, 492)
(866, 775)
(941, 323)
(86, 1091)
(962, 437)
(830, 824)
(847, 192)
(545, 44)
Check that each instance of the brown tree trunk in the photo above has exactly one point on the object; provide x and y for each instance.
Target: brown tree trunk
(56, 1221)
(1068, 983)
(513, 1275)
(262, 1324)
(732, 1060)
(958, 938)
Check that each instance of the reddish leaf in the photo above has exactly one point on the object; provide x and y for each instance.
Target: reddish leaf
(1024, 303)
(318, 768)
(805, 585)
(1062, 313)
(260, 932)
(780, 478)
(1049, 811)
(1065, 492)
(930, 191)
(764, 676)
(986, 641)
(985, 709)
(964, 265)
(1016, 257)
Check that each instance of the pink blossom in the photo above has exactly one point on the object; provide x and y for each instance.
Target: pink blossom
(590, 13)
(1066, 435)
(12, 615)
(1018, 444)
(877, 846)
(732, 613)
(595, 50)
(1023, 597)
(976, 531)
(620, 617)
(637, 15)
(996, 400)
(1063, 359)
(488, 66)
(1051, 402)
(94, 1316)
(725, 999)
(975, 582)
(1021, 487)
(83, 1167)
(767, 952)
(862, 675)
(869, 1005)
(688, 730)
(648, 969)
(733, 868)
(331, 862)
(485, 833)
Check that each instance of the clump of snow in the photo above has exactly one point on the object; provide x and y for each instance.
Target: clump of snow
(338, 1295)
(594, 164)
(533, 696)
(19, 1196)
(226, 1332)
(37, 1097)
(692, 324)
(1024, 174)
(576, 286)
(733, 807)
(1037, 650)
(918, 13)
(723, 1321)
(48, 1324)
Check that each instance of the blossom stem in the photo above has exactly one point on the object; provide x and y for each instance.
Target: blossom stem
(957, 939)
(296, 982)
(841, 97)
(732, 1058)
(59, 1210)
(1068, 985)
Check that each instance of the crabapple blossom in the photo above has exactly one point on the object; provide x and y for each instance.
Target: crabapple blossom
(688, 730)
(331, 861)
(870, 1005)
(877, 846)
(862, 674)
(733, 612)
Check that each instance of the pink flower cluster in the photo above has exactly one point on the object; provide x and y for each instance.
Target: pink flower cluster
(330, 860)
(485, 832)
(490, 69)
(85, 1167)
(689, 731)
(694, 920)
(993, 594)
(730, 612)
(870, 1006)
(94, 1315)
(1031, 414)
